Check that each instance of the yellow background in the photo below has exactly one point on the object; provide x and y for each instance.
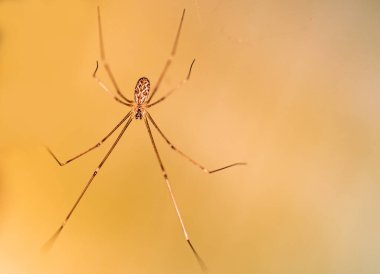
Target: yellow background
(291, 87)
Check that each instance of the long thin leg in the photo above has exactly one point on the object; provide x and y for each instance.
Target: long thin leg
(199, 259)
(187, 157)
(91, 148)
(184, 81)
(169, 61)
(104, 61)
(55, 235)
(105, 88)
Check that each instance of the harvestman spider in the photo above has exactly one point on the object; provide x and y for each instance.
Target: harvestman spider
(139, 111)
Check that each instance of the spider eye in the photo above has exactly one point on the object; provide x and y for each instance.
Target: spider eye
(142, 90)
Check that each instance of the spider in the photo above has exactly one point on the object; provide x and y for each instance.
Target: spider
(139, 111)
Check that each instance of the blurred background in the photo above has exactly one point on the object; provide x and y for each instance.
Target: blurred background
(291, 87)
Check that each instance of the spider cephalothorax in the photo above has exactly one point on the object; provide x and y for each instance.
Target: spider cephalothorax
(138, 113)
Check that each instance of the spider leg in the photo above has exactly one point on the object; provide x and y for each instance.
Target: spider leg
(91, 148)
(199, 259)
(187, 157)
(106, 89)
(169, 60)
(50, 242)
(104, 61)
(184, 81)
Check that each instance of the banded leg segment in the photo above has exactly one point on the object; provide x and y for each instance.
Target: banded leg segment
(184, 81)
(199, 259)
(55, 235)
(169, 61)
(91, 148)
(106, 89)
(104, 61)
(187, 157)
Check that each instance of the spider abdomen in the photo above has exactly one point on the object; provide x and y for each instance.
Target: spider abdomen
(142, 90)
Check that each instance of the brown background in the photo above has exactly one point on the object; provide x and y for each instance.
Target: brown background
(291, 87)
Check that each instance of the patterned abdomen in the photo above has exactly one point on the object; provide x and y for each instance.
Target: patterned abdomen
(142, 90)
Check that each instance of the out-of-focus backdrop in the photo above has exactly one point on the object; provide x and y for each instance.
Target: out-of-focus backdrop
(291, 87)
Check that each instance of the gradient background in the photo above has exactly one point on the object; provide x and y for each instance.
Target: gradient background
(291, 87)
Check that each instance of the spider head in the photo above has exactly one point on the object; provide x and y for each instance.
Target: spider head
(138, 114)
(142, 90)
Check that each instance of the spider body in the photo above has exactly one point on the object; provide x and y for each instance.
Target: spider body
(142, 90)
(141, 95)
